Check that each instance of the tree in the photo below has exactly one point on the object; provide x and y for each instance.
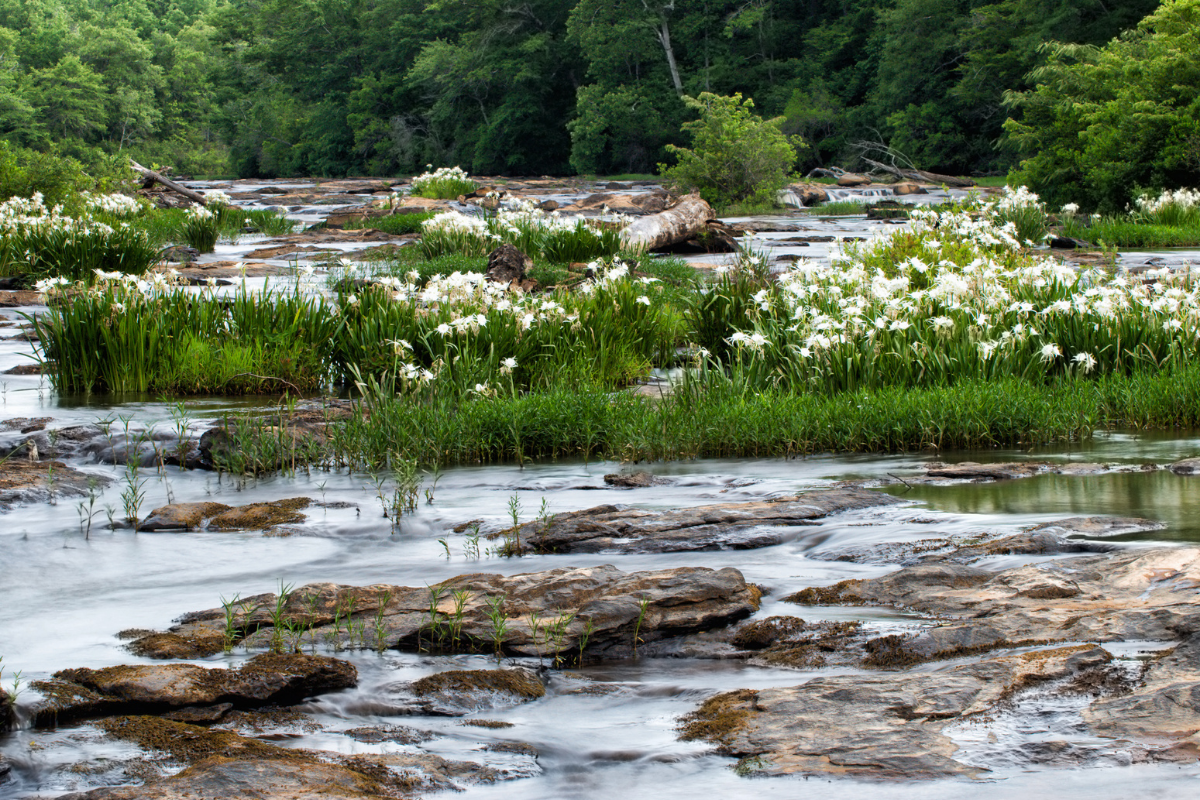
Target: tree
(1104, 123)
(735, 155)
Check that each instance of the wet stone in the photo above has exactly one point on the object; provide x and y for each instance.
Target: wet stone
(727, 526)
(636, 480)
(268, 678)
(220, 517)
(1144, 594)
(1188, 466)
(456, 693)
(23, 481)
(1100, 526)
(600, 607)
(877, 726)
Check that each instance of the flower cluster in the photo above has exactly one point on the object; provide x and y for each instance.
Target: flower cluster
(968, 293)
(216, 197)
(117, 205)
(443, 174)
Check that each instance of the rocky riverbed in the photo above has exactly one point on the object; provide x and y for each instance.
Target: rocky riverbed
(944, 623)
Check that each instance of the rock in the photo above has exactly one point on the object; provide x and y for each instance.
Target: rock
(25, 369)
(200, 715)
(1065, 243)
(226, 765)
(1128, 594)
(507, 265)
(180, 253)
(636, 480)
(220, 517)
(23, 481)
(728, 526)
(268, 678)
(876, 726)
(600, 606)
(850, 179)
(260, 516)
(907, 188)
(970, 470)
(20, 299)
(180, 516)
(1188, 466)
(1099, 526)
(1042, 540)
(8, 717)
(804, 195)
(456, 693)
(1165, 707)
(548, 205)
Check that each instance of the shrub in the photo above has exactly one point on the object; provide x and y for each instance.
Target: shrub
(735, 155)
(200, 228)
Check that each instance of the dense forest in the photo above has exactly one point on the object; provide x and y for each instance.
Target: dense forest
(337, 87)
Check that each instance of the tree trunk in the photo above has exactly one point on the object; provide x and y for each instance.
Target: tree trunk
(664, 37)
(921, 175)
(678, 223)
(170, 184)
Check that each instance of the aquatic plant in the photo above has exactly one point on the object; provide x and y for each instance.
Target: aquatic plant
(534, 232)
(500, 627)
(444, 183)
(200, 228)
(643, 606)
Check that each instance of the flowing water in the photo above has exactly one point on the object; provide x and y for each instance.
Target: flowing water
(604, 730)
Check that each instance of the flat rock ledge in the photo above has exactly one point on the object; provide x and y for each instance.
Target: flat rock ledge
(204, 693)
(223, 764)
(1144, 594)
(23, 481)
(572, 613)
(458, 692)
(878, 726)
(937, 472)
(726, 526)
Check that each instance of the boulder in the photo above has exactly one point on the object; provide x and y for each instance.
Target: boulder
(803, 195)
(1188, 466)
(507, 265)
(593, 612)
(141, 688)
(8, 716)
(907, 188)
(1098, 526)
(220, 517)
(850, 180)
(874, 726)
(973, 471)
(727, 526)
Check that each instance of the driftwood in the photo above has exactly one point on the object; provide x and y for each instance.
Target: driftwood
(170, 184)
(678, 223)
(920, 175)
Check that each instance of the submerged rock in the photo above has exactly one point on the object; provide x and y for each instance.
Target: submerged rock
(1012, 470)
(727, 526)
(1130, 594)
(877, 726)
(634, 480)
(1188, 466)
(456, 693)
(1164, 708)
(594, 611)
(226, 765)
(268, 678)
(24, 481)
(1099, 526)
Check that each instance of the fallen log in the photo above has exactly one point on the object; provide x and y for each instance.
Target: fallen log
(921, 175)
(170, 184)
(678, 223)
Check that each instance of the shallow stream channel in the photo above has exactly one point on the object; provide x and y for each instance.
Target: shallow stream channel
(933, 625)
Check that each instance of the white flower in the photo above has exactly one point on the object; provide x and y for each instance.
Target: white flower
(1050, 352)
(1085, 360)
(443, 329)
(643, 300)
(1070, 208)
(510, 363)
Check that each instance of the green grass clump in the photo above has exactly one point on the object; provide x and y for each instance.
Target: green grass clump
(395, 224)
(839, 208)
(713, 417)
(533, 232)
(1126, 232)
(759, 209)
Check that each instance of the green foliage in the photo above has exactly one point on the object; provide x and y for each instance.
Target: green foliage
(1103, 121)
(396, 224)
(735, 155)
